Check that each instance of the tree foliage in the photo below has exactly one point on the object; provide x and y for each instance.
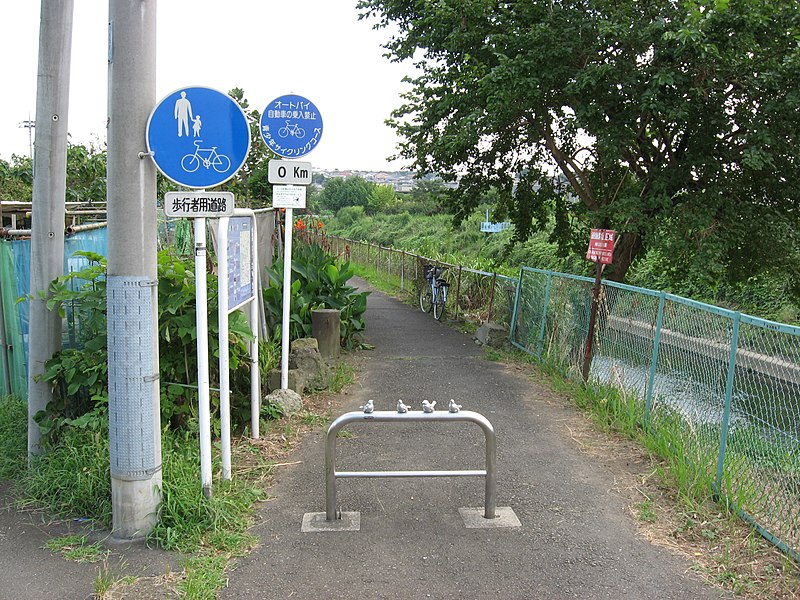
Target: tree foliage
(675, 123)
(381, 199)
(251, 185)
(346, 191)
(16, 179)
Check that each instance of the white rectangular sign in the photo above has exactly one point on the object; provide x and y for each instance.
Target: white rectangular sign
(291, 172)
(288, 196)
(198, 204)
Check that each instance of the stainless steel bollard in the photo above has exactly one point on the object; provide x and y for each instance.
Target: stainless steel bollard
(412, 416)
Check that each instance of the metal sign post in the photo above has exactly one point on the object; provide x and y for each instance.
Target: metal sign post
(601, 252)
(291, 126)
(199, 137)
(203, 391)
(237, 268)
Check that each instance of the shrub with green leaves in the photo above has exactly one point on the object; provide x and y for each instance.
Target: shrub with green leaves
(318, 281)
(79, 374)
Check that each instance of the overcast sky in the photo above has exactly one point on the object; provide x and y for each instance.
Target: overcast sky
(315, 48)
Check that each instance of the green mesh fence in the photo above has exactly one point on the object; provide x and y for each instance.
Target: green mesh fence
(726, 384)
(12, 364)
(473, 294)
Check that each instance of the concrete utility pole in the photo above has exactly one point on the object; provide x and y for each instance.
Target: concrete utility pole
(49, 188)
(133, 386)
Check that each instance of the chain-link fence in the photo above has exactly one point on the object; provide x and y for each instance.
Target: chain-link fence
(726, 384)
(473, 295)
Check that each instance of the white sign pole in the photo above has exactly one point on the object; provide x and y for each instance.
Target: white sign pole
(224, 351)
(201, 301)
(255, 373)
(287, 285)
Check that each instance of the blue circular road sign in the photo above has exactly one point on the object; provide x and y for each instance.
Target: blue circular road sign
(291, 126)
(198, 137)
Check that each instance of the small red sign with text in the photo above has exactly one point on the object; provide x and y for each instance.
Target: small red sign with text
(601, 246)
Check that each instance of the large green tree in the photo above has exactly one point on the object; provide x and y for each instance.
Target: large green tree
(676, 123)
(346, 191)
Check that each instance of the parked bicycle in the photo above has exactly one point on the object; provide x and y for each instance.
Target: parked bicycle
(433, 295)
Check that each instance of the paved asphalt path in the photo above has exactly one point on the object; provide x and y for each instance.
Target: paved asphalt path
(576, 540)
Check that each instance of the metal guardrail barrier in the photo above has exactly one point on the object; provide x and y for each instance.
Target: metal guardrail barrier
(403, 415)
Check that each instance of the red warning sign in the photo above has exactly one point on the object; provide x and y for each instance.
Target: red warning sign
(601, 246)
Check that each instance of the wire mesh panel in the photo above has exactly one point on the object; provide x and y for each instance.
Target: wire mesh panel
(624, 337)
(690, 377)
(530, 311)
(567, 324)
(762, 454)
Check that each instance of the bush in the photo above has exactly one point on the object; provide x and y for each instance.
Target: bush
(79, 374)
(317, 282)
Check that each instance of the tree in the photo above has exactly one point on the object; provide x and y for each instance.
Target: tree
(381, 199)
(675, 123)
(86, 174)
(251, 184)
(351, 191)
(16, 179)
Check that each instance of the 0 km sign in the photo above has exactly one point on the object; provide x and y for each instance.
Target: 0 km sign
(289, 172)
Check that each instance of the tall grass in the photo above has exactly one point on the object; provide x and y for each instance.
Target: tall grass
(13, 440)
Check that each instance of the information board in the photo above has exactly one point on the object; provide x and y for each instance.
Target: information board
(241, 249)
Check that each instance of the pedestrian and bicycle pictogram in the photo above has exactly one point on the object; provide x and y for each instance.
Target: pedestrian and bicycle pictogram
(198, 137)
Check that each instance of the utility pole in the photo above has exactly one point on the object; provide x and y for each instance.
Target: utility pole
(132, 291)
(49, 189)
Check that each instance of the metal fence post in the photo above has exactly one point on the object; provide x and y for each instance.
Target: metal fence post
(512, 331)
(491, 298)
(458, 290)
(545, 305)
(726, 414)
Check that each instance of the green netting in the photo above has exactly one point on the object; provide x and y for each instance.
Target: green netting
(16, 376)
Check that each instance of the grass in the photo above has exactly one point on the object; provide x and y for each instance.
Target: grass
(343, 375)
(73, 480)
(107, 580)
(13, 441)
(77, 548)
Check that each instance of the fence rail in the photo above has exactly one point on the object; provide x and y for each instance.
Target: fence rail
(725, 383)
(473, 295)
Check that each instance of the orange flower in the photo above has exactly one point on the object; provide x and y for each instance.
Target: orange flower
(300, 225)
(320, 224)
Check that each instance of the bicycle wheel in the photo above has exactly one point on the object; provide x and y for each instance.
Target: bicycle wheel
(190, 163)
(221, 163)
(425, 299)
(439, 304)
